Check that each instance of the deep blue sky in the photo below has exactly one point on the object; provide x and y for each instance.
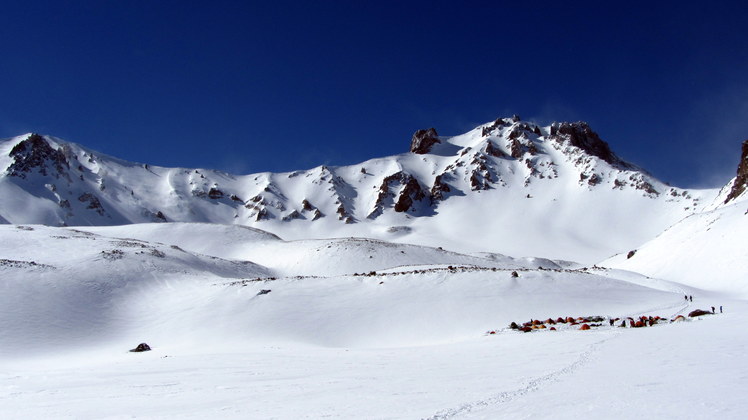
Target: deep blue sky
(275, 86)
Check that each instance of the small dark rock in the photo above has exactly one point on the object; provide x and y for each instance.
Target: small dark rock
(215, 193)
(263, 292)
(141, 347)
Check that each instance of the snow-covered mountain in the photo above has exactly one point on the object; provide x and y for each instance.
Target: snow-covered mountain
(384, 289)
(509, 186)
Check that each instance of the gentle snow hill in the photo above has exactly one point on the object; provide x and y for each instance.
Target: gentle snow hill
(508, 187)
(318, 257)
(61, 287)
(705, 250)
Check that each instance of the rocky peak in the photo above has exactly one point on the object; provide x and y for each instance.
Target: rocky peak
(741, 180)
(36, 153)
(580, 135)
(423, 141)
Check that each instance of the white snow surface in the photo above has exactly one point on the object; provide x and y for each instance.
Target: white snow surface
(705, 250)
(408, 341)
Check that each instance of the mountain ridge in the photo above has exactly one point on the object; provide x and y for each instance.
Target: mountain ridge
(489, 169)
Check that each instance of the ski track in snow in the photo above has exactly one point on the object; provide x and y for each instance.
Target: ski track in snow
(532, 386)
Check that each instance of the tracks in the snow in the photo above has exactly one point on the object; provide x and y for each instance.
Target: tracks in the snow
(531, 386)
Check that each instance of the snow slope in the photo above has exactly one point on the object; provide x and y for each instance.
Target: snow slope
(310, 257)
(406, 342)
(705, 250)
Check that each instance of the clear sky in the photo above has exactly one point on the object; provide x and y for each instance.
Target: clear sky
(251, 86)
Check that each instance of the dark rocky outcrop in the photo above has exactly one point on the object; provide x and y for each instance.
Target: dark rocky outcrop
(93, 203)
(439, 189)
(410, 192)
(423, 141)
(580, 135)
(263, 214)
(141, 348)
(500, 122)
(494, 151)
(516, 148)
(741, 180)
(215, 193)
(306, 206)
(293, 216)
(344, 215)
(35, 153)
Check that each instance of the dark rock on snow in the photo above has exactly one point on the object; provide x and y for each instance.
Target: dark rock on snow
(423, 141)
(36, 153)
(580, 134)
(141, 347)
(741, 180)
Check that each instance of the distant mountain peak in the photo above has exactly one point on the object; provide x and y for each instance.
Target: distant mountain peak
(36, 154)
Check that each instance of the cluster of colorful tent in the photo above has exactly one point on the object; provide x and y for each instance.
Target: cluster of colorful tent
(587, 323)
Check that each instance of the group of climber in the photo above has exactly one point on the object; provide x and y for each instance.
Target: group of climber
(689, 298)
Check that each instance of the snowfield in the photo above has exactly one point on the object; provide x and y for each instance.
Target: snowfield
(252, 337)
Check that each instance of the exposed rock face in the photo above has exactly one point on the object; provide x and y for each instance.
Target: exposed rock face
(741, 180)
(423, 141)
(215, 193)
(36, 153)
(439, 188)
(306, 206)
(93, 203)
(500, 122)
(410, 192)
(580, 134)
(494, 151)
(293, 216)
